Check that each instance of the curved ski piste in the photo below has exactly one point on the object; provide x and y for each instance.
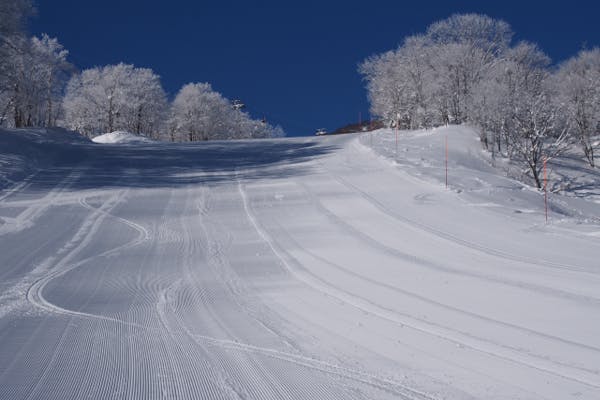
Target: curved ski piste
(329, 268)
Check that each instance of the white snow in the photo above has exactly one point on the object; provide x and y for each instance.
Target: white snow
(120, 137)
(324, 267)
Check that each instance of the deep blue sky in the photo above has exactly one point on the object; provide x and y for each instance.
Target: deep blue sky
(293, 62)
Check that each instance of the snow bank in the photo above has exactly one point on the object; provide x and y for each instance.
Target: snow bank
(121, 137)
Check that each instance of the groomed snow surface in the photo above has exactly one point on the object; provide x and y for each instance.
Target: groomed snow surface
(307, 268)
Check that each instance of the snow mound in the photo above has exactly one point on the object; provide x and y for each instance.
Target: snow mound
(121, 137)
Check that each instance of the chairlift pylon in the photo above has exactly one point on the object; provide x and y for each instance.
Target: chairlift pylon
(237, 104)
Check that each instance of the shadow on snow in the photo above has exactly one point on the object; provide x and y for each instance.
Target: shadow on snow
(171, 165)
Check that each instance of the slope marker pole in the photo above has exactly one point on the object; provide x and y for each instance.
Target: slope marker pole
(396, 140)
(546, 189)
(370, 130)
(446, 161)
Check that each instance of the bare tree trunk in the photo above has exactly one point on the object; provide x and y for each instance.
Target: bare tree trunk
(110, 115)
(138, 127)
(589, 154)
(483, 138)
(49, 111)
(29, 122)
(536, 176)
(49, 107)
(18, 118)
(5, 112)
(498, 139)
(17, 110)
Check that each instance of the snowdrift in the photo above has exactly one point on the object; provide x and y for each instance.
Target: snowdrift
(119, 137)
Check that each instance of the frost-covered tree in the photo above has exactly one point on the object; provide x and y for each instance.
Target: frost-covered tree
(12, 14)
(13, 45)
(475, 31)
(464, 70)
(399, 84)
(147, 107)
(12, 34)
(43, 77)
(50, 59)
(39, 72)
(95, 99)
(385, 86)
(200, 113)
(521, 107)
(578, 84)
(115, 97)
(257, 129)
(491, 107)
(463, 47)
(429, 80)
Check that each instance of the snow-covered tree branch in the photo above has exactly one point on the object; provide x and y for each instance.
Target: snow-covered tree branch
(200, 113)
(578, 85)
(115, 97)
(464, 69)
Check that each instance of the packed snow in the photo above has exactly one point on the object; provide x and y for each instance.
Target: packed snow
(25, 152)
(323, 267)
(120, 137)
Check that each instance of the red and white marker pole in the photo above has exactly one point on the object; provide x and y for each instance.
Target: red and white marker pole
(446, 161)
(397, 139)
(371, 129)
(546, 189)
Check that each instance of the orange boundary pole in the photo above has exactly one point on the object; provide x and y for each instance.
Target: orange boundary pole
(396, 139)
(546, 189)
(446, 161)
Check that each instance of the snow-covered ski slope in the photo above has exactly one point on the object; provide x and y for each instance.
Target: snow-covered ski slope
(308, 268)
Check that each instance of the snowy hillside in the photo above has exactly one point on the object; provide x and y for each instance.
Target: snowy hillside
(325, 267)
(498, 184)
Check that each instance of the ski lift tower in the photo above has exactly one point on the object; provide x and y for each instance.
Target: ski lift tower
(238, 105)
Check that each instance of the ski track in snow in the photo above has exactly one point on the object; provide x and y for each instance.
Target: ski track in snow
(411, 258)
(450, 237)
(17, 187)
(249, 279)
(460, 338)
(84, 237)
(27, 218)
(284, 261)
